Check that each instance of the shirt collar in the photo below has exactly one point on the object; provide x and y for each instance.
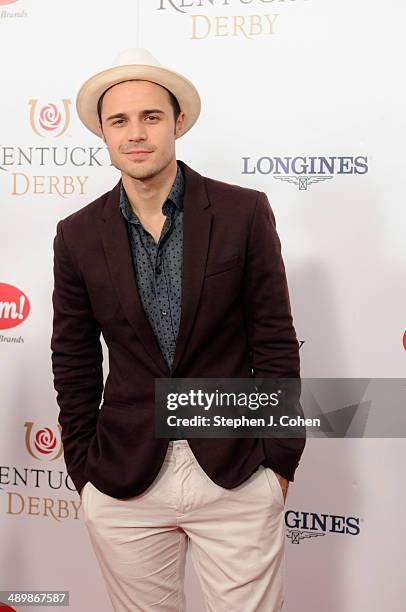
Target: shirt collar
(175, 196)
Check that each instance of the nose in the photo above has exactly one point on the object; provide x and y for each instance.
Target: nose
(136, 131)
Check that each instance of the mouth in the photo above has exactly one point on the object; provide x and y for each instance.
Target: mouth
(138, 153)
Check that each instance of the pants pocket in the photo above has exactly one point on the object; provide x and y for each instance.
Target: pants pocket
(200, 471)
(84, 496)
(275, 487)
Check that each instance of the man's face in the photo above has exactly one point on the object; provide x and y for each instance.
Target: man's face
(139, 128)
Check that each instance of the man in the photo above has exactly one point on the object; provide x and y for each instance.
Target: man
(183, 276)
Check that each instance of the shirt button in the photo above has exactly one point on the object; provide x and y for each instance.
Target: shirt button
(164, 312)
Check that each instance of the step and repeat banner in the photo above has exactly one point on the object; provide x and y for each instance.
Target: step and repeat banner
(302, 99)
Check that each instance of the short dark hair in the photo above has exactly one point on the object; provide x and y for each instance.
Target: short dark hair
(173, 100)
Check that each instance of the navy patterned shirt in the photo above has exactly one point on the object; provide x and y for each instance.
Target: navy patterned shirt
(158, 266)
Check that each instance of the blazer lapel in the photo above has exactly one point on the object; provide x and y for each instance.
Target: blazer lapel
(196, 233)
(119, 259)
(197, 219)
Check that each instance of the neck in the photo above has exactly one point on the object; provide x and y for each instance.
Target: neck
(146, 196)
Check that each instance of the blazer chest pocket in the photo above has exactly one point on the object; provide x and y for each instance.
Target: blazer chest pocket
(217, 267)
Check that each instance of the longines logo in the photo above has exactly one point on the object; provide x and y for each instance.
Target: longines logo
(304, 525)
(11, 14)
(304, 171)
(204, 24)
(49, 120)
(53, 488)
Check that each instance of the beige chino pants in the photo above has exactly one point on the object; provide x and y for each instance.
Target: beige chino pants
(236, 539)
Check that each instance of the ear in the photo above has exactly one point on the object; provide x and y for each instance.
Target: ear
(180, 124)
(102, 133)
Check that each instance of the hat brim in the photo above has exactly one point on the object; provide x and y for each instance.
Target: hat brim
(90, 92)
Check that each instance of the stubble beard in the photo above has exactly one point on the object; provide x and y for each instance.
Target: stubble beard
(146, 172)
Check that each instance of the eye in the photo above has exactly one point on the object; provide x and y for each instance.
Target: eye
(152, 117)
(118, 122)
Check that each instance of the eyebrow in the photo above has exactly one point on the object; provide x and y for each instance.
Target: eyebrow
(147, 111)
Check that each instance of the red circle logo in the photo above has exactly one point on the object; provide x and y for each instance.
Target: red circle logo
(14, 306)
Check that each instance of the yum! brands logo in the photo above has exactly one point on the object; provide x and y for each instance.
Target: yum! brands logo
(6, 608)
(14, 306)
(8, 13)
(50, 119)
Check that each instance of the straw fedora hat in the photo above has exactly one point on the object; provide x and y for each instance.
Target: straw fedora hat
(136, 64)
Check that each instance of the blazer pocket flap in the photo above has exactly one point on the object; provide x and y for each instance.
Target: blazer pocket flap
(222, 266)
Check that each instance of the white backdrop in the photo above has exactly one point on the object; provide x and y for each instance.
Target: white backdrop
(281, 79)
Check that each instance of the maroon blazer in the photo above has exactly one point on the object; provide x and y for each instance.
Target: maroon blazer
(235, 322)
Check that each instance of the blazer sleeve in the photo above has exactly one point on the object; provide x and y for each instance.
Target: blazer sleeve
(272, 338)
(77, 358)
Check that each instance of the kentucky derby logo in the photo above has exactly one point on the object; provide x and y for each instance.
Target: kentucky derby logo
(14, 306)
(43, 443)
(49, 119)
(228, 18)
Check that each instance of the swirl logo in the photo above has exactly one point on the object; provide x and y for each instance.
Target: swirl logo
(49, 119)
(43, 442)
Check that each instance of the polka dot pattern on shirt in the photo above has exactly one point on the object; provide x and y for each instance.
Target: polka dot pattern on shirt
(158, 266)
